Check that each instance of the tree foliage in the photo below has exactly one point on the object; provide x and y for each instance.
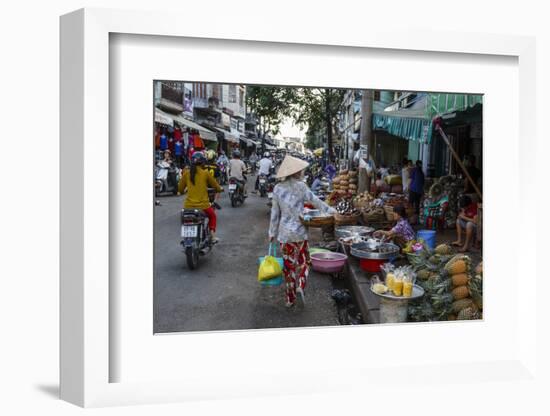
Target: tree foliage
(317, 108)
(314, 108)
(271, 105)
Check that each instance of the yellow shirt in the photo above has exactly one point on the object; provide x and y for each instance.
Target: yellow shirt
(197, 195)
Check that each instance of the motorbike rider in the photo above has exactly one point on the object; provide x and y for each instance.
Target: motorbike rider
(164, 165)
(196, 181)
(223, 161)
(211, 166)
(265, 167)
(253, 159)
(237, 169)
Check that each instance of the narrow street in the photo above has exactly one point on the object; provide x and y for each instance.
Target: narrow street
(223, 293)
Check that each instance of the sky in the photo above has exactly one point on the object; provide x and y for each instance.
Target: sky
(288, 129)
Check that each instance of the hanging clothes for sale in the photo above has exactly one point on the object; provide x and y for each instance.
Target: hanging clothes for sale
(197, 141)
(178, 148)
(171, 144)
(177, 134)
(157, 139)
(163, 142)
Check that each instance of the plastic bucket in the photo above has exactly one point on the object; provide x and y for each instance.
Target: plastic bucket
(371, 265)
(428, 236)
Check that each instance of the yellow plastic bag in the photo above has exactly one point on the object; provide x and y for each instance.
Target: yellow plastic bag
(269, 268)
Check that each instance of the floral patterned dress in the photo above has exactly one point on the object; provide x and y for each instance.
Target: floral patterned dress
(285, 225)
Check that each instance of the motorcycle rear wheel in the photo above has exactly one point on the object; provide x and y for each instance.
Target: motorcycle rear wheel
(192, 258)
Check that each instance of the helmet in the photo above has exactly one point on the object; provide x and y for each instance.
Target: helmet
(198, 158)
(236, 153)
(210, 154)
(267, 154)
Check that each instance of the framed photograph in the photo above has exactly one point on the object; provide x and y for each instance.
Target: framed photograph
(207, 179)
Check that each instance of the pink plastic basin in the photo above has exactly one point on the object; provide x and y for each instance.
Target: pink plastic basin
(328, 262)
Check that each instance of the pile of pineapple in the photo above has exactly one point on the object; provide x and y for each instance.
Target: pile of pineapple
(453, 289)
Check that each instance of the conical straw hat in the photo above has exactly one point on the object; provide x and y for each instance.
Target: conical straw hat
(290, 166)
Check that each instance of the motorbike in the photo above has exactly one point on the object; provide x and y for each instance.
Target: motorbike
(195, 235)
(223, 174)
(263, 184)
(236, 192)
(271, 182)
(166, 178)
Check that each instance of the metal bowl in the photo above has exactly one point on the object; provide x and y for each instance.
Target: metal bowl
(353, 230)
(384, 251)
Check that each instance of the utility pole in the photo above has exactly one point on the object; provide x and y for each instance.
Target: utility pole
(366, 138)
(329, 125)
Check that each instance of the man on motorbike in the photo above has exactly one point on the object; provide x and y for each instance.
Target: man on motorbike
(237, 169)
(197, 180)
(253, 159)
(265, 167)
(223, 162)
(211, 166)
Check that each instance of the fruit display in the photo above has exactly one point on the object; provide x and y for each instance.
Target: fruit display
(451, 291)
(379, 288)
(443, 249)
(334, 197)
(345, 207)
(393, 200)
(362, 200)
(345, 182)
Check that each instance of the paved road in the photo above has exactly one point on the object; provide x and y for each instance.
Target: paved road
(223, 294)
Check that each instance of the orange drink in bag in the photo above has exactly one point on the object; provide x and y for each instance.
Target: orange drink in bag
(407, 288)
(397, 286)
(390, 279)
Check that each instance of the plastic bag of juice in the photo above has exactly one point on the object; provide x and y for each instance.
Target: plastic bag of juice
(388, 270)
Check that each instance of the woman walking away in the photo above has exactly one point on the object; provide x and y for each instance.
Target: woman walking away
(289, 197)
(197, 180)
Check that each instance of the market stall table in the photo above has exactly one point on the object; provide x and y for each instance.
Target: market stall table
(393, 309)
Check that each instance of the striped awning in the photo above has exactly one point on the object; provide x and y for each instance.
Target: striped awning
(163, 118)
(230, 137)
(409, 128)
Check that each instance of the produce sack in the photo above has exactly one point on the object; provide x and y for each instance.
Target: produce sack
(270, 266)
(393, 180)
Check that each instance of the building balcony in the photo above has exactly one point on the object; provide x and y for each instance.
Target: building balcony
(170, 106)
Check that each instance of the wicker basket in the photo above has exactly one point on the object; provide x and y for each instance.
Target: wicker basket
(340, 219)
(369, 216)
(388, 210)
(318, 221)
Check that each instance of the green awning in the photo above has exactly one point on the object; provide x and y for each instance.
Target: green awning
(410, 128)
(440, 104)
(415, 123)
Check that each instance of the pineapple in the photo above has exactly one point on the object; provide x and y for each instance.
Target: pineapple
(443, 249)
(460, 279)
(479, 269)
(475, 286)
(468, 314)
(458, 305)
(458, 264)
(461, 292)
(423, 274)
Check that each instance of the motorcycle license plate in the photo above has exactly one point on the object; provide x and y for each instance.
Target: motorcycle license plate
(270, 195)
(262, 180)
(232, 187)
(189, 231)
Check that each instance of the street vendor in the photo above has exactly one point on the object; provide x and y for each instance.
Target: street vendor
(402, 232)
(466, 223)
(289, 197)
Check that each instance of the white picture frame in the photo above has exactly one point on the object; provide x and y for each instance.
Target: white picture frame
(86, 355)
